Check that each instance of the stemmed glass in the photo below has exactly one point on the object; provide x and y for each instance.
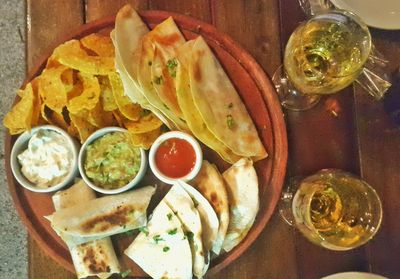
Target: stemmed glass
(323, 55)
(333, 209)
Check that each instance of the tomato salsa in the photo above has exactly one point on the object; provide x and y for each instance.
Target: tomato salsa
(175, 158)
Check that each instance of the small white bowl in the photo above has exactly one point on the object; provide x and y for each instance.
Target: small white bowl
(180, 135)
(82, 157)
(21, 144)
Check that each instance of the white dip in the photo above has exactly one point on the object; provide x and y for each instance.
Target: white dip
(47, 160)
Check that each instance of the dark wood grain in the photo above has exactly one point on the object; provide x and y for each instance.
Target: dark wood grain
(199, 9)
(379, 148)
(96, 9)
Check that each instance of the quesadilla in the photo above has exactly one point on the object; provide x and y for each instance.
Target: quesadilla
(209, 219)
(242, 188)
(211, 185)
(102, 217)
(191, 113)
(161, 249)
(220, 105)
(182, 205)
(95, 258)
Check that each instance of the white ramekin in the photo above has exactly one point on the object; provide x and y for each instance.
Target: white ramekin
(21, 144)
(82, 157)
(180, 135)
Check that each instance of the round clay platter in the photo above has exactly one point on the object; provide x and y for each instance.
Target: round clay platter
(260, 99)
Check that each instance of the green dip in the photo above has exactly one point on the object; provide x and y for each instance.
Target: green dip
(112, 161)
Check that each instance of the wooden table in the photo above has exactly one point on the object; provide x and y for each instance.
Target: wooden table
(360, 139)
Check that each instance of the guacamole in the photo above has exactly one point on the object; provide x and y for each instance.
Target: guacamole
(112, 161)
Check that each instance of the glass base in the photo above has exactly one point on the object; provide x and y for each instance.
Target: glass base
(290, 97)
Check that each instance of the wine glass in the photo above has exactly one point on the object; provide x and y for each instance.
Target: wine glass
(323, 55)
(333, 209)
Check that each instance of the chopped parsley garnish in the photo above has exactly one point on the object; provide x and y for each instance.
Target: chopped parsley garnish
(172, 232)
(144, 230)
(125, 273)
(171, 65)
(169, 216)
(230, 121)
(157, 238)
(130, 233)
(165, 249)
(144, 112)
(189, 235)
(159, 80)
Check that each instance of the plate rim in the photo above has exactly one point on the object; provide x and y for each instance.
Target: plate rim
(259, 76)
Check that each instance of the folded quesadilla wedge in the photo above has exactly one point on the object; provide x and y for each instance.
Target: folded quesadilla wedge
(126, 37)
(191, 114)
(95, 258)
(162, 250)
(182, 205)
(208, 217)
(220, 105)
(102, 217)
(164, 35)
(242, 188)
(211, 185)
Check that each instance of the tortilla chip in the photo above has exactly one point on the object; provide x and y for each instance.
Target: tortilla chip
(125, 105)
(52, 88)
(145, 140)
(84, 128)
(19, 119)
(145, 124)
(106, 94)
(89, 96)
(72, 55)
(101, 45)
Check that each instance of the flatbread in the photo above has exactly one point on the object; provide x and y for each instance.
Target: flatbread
(220, 105)
(95, 258)
(102, 217)
(191, 114)
(209, 219)
(242, 188)
(182, 205)
(163, 251)
(211, 185)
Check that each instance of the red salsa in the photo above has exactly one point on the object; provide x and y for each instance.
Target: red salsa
(175, 158)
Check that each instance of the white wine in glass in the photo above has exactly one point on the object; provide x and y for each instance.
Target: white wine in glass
(336, 210)
(323, 55)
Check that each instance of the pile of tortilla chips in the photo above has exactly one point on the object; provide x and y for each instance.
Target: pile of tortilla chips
(80, 91)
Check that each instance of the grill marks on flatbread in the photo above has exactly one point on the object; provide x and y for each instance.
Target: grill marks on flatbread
(102, 217)
(211, 185)
(94, 258)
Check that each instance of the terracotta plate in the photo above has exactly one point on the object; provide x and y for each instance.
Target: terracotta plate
(258, 95)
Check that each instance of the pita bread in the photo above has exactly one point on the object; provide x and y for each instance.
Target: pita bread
(220, 105)
(211, 185)
(182, 205)
(209, 219)
(95, 258)
(163, 251)
(242, 188)
(102, 217)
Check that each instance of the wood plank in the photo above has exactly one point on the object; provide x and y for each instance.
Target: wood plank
(255, 25)
(96, 9)
(45, 27)
(199, 9)
(379, 141)
(327, 141)
(43, 34)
